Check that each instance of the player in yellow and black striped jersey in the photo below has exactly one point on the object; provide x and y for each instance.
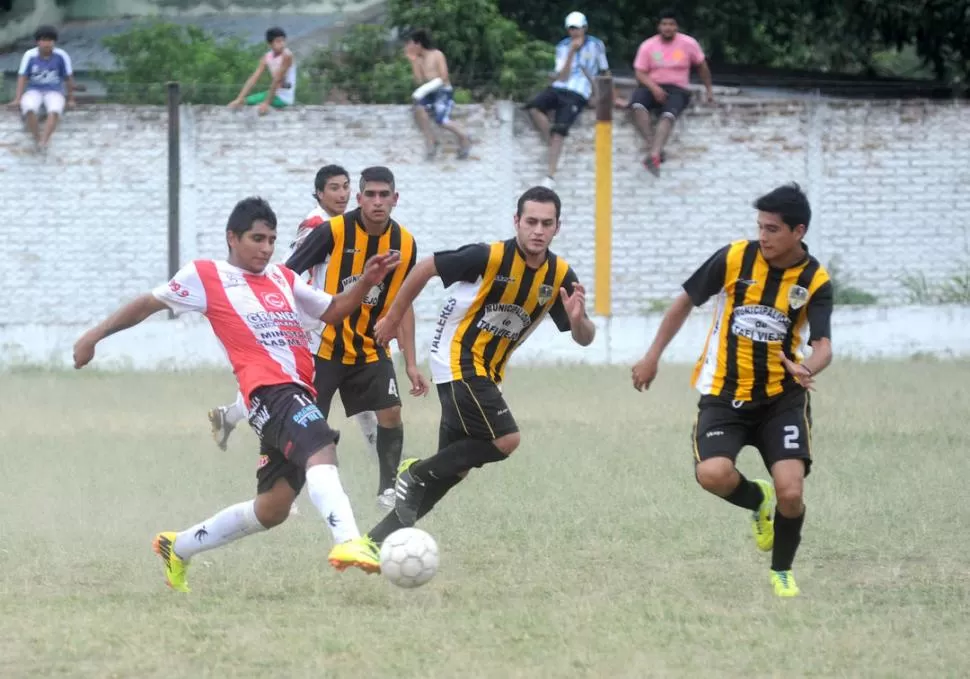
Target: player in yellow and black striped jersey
(772, 298)
(497, 295)
(348, 359)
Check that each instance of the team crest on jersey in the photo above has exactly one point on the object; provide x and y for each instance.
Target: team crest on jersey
(274, 300)
(797, 297)
(545, 293)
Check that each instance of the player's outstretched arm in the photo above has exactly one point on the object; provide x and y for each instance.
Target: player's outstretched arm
(344, 304)
(386, 328)
(131, 314)
(406, 341)
(645, 370)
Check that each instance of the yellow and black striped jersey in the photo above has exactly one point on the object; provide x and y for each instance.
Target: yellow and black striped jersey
(343, 246)
(759, 311)
(494, 302)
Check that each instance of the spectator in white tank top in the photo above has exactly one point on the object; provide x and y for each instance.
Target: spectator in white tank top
(282, 70)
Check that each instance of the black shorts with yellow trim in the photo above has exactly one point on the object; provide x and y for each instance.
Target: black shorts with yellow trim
(474, 408)
(780, 428)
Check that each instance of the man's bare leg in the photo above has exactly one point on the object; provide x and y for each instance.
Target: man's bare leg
(424, 123)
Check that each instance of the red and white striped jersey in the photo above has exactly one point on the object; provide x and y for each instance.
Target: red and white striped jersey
(256, 318)
(315, 218)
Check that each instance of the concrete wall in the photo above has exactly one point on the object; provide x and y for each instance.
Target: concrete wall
(85, 227)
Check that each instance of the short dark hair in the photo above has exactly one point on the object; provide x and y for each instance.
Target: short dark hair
(326, 173)
(790, 202)
(667, 13)
(45, 32)
(247, 211)
(422, 36)
(376, 173)
(539, 194)
(274, 33)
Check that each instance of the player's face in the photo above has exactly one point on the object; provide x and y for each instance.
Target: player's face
(667, 28)
(253, 250)
(777, 240)
(536, 227)
(45, 46)
(335, 195)
(278, 45)
(376, 201)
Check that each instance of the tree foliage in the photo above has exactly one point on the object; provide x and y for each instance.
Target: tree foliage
(488, 55)
(849, 37)
(210, 70)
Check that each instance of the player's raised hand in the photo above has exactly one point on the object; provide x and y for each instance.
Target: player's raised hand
(801, 374)
(575, 303)
(378, 266)
(83, 351)
(644, 371)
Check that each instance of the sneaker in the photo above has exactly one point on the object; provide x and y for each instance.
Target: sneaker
(784, 584)
(652, 165)
(175, 567)
(408, 493)
(221, 427)
(385, 500)
(762, 519)
(360, 553)
(549, 182)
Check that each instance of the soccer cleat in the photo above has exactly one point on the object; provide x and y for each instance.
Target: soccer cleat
(360, 553)
(784, 584)
(408, 493)
(385, 500)
(762, 519)
(221, 427)
(175, 567)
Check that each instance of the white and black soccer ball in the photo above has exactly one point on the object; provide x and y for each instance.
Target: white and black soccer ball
(409, 557)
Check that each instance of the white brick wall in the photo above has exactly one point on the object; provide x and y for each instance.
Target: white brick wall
(85, 228)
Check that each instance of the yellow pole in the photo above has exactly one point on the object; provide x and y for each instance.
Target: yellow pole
(604, 198)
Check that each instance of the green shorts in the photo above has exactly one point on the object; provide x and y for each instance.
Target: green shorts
(260, 97)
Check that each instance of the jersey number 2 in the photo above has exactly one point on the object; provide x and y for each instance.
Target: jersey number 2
(791, 437)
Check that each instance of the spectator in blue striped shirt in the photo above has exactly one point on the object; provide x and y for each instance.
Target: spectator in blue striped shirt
(579, 59)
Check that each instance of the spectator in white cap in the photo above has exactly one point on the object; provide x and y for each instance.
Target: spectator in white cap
(579, 59)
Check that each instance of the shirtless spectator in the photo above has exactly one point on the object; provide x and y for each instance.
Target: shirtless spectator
(435, 96)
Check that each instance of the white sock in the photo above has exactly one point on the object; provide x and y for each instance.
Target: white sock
(227, 526)
(367, 421)
(236, 412)
(328, 496)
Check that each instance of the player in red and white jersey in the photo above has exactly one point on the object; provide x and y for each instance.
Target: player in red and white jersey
(255, 309)
(332, 193)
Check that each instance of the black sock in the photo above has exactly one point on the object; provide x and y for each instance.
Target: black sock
(748, 494)
(456, 458)
(437, 488)
(788, 534)
(390, 441)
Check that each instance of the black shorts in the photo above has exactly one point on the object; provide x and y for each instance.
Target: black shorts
(363, 387)
(473, 408)
(677, 100)
(566, 104)
(780, 428)
(290, 428)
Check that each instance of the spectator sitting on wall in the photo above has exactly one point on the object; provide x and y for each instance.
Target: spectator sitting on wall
(282, 68)
(43, 72)
(579, 59)
(434, 96)
(663, 65)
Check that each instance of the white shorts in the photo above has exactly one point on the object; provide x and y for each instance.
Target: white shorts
(52, 101)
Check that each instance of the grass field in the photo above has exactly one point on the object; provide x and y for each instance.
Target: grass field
(591, 553)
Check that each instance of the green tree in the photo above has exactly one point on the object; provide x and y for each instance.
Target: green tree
(488, 55)
(211, 71)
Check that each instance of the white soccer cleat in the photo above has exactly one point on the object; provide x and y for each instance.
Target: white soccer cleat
(385, 500)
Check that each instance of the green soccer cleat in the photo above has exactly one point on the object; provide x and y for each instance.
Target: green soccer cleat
(762, 519)
(175, 567)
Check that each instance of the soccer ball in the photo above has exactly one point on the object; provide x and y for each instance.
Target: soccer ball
(409, 557)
